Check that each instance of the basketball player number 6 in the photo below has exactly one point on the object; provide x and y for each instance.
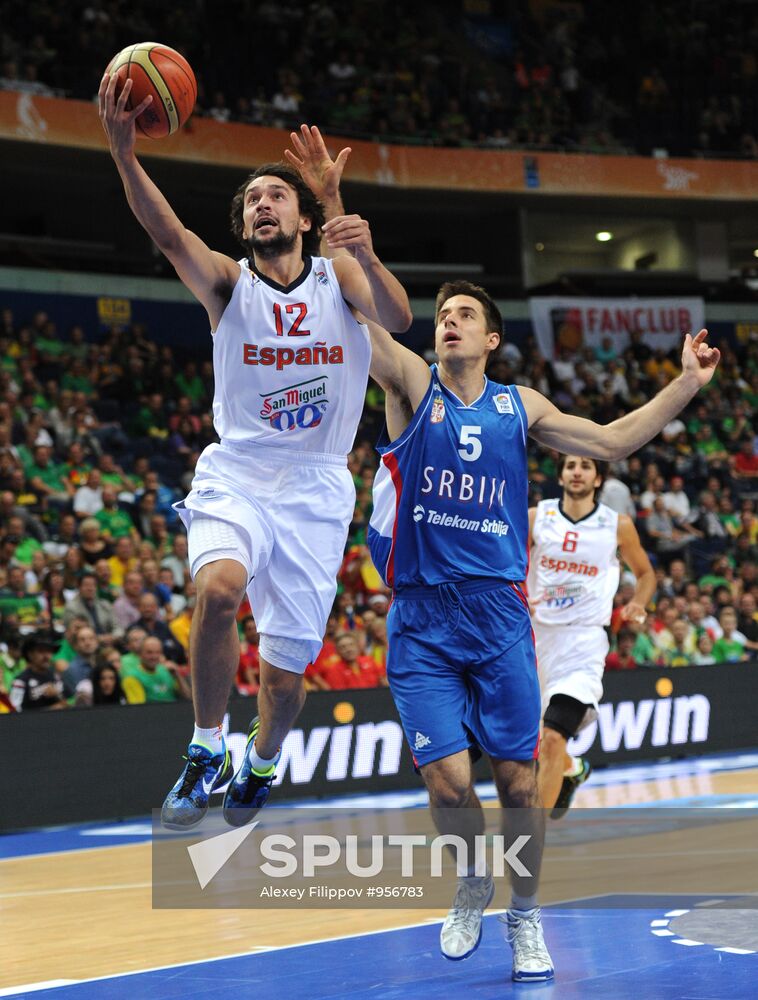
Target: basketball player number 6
(471, 446)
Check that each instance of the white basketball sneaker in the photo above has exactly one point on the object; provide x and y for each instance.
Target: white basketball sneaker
(462, 929)
(531, 959)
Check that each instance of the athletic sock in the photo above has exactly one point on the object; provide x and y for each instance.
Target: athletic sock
(576, 768)
(523, 902)
(262, 765)
(212, 739)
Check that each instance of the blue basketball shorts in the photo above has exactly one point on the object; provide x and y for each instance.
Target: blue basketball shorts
(462, 667)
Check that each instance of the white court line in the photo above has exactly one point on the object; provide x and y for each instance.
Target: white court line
(260, 949)
(74, 850)
(220, 958)
(50, 984)
(78, 888)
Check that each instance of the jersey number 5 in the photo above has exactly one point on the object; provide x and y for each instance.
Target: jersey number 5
(471, 446)
(569, 541)
(292, 307)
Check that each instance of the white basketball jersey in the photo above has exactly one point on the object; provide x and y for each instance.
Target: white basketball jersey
(290, 364)
(573, 568)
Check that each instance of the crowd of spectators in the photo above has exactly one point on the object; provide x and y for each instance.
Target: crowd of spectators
(98, 440)
(586, 76)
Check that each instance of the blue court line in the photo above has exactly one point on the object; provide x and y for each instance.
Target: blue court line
(598, 953)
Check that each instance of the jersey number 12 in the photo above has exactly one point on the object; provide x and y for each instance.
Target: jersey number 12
(292, 307)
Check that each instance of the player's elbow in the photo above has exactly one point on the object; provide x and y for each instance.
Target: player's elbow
(612, 447)
(405, 318)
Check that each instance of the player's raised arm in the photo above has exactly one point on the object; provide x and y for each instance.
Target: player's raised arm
(365, 282)
(204, 271)
(616, 440)
(635, 557)
(403, 375)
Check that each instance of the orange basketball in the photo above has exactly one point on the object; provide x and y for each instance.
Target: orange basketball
(158, 70)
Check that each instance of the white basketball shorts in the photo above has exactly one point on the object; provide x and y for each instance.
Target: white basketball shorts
(291, 513)
(571, 661)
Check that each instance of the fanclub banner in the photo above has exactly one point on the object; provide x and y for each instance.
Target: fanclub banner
(576, 323)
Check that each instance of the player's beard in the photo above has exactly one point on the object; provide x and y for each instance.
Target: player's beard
(278, 245)
(580, 492)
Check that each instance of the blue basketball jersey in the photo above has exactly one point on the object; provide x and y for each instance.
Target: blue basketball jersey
(451, 493)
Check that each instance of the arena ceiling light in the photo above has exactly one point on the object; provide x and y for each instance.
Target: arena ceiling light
(603, 236)
(755, 253)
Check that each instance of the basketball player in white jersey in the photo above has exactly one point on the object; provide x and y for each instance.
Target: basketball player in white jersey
(467, 330)
(573, 577)
(270, 505)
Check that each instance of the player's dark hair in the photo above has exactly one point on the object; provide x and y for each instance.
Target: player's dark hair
(492, 315)
(601, 469)
(308, 204)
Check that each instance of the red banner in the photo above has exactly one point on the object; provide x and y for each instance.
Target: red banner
(75, 123)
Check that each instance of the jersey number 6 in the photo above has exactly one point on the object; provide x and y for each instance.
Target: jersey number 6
(471, 446)
(569, 541)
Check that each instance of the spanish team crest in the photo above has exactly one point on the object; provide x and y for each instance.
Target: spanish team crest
(438, 410)
(503, 402)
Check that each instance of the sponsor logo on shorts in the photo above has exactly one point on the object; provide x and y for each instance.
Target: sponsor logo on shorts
(438, 410)
(563, 565)
(503, 403)
(283, 357)
(207, 494)
(421, 741)
(301, 405)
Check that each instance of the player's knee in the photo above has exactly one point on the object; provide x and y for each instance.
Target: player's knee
(449, 795)
(282, 687)
(522, 795)
(218, 596)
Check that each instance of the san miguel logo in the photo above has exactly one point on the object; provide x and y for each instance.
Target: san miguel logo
(301, 405)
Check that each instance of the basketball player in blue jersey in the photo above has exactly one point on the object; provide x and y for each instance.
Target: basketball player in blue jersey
(449, 534)
(270, 505)
(576, 544)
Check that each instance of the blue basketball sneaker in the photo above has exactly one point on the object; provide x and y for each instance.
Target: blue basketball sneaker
(188, 800)
(248, 790)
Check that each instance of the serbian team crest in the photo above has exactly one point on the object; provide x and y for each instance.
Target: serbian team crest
(503, 402)
(438, 410)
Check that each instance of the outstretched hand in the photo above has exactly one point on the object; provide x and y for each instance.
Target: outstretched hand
(351, 233)
(117, 121)
(634, 612)
(699, 359)
(311, 159)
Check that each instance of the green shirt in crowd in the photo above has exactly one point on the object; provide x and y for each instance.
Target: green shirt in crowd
(26, 609)
(25, 550)
(115, 523)
(160, 685)
(52, 475)
(643, 650)
(728, 650)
